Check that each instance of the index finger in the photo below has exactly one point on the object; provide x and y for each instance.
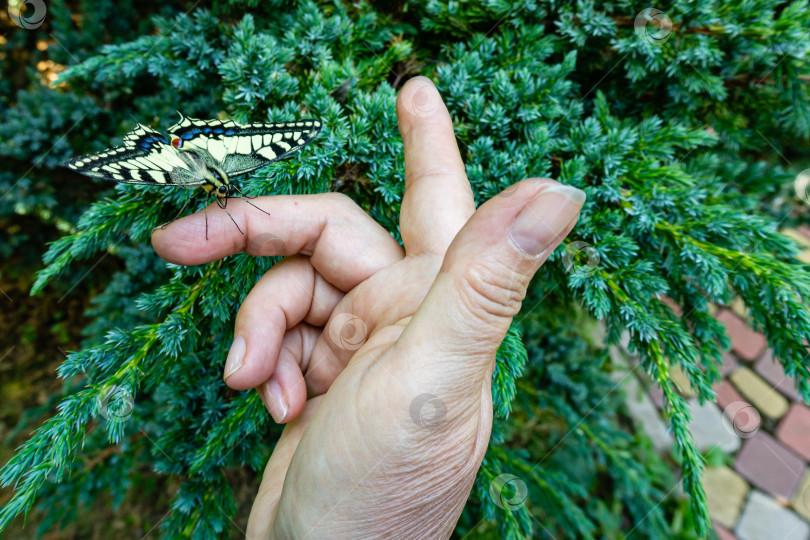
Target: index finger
(438, 199)
(345, 245)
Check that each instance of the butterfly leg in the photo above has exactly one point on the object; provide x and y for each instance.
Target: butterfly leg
(208, 196)
(234, 221)
(185, 205)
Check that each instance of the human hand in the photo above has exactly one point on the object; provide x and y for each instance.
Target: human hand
(349, 337)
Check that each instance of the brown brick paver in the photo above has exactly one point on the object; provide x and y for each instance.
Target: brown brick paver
(770, 466)
(794, 430)
(771, 370)
(746, 343)
(723, 534)
(729, 363)
(726, 394)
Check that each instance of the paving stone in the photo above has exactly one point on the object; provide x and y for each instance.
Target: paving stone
(620, 363)
(804, 256)
(796, 235)
(794, 430)
(765, 519)
(672, 304)
(765, 398)
(729, 363)
(645, 414)
(709, 429)
(624, 341)
(726, 394)
(746, 343)
(738, 307)
(801, 500)
(657, 395)
(771, 370)
(680, 380)
(725, 494)
(723, 534)
(770, 466)
(742, 418)
(598, 332)
(804, 229)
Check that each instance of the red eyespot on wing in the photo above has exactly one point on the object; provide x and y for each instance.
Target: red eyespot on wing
(176, 142)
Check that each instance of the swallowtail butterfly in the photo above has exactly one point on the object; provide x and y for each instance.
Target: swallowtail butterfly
(198, 153)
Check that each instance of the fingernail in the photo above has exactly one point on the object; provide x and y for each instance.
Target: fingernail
(236, 356)
(546, 216)
(274, 401)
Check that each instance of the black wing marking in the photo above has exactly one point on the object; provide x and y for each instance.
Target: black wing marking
(145, 158)
(242, 148)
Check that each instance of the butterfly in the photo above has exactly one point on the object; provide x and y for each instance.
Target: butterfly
(198, 153)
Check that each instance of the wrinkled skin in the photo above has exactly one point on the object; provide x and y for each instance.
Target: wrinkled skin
(379, 359)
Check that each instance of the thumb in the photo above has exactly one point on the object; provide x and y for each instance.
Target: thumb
(484, 277)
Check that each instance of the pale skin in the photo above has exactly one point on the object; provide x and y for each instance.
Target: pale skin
(377, 358)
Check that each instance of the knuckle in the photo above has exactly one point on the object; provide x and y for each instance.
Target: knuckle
(340, 200)
(491, 293)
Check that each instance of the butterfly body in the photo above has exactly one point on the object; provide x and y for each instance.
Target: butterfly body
(197, 153)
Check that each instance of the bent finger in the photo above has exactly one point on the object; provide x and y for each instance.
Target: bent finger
(285, 393)
(345, 244)
(289, 293)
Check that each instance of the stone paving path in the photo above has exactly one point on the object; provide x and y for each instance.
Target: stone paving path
(759, 421)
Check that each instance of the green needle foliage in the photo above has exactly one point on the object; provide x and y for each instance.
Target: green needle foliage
(681, 128)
